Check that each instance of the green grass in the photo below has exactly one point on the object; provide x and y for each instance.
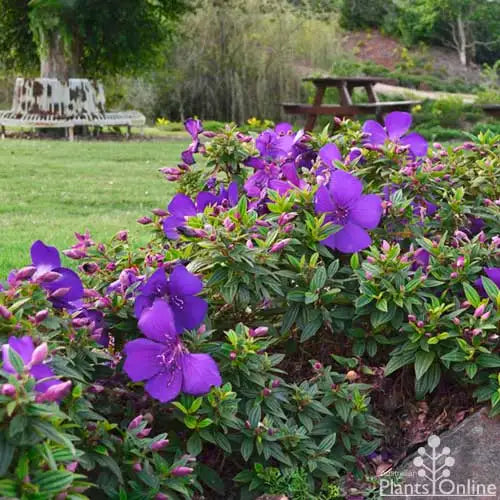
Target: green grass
(50, 189)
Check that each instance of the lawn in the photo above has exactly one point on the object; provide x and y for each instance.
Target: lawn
(50, 189)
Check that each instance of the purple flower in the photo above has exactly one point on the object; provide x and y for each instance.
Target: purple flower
(177, 296)
(256, 185)
(346, 206)
(226, 197)
(164, 362)
(396, 124)
(493, 273)
(328, 155)
(421, 259)
(180, 208)
(25, 348)
(193, 127)
(46, 259)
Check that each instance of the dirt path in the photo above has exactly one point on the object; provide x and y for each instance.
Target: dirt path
(382, 88)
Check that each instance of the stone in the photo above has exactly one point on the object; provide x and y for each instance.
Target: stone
(463, 462)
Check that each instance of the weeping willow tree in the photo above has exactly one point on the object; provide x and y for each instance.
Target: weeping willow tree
(71, 38)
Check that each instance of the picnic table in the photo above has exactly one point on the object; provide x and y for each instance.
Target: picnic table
(346, 107)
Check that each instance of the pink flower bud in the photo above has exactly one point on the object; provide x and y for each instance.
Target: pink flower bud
(202, 329)
(412, 318)
(485, 316)
(181, 471)
(275, 383)
(277, 247)
(229, 224)
(159, 445)
(161, 496)
(249, 244)
(479, 310)
(248, 425)
(287, 217)
(4, 312)
(262, 223)
(266, 392)
(39, 354)
(159, 212)
(25, 273)
(320, 180)
(75, 253)
(368, 275)
(232, 355)
(261, 331)
(56, 392)
(72, 466)
(60, 292)
(122, 235)
(420, 324)
(137, 467)
(456, 321)
(144, 433)
(49, 277)
(8, 390)
(317, 366)
(385, 246)
(144, 220)
(288, 228)
(465, 304)
(477, 331)
(453, 275)
(135, 422)
(460, 261)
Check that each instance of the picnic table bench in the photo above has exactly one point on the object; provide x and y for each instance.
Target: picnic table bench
(346, 107)
(492, 109)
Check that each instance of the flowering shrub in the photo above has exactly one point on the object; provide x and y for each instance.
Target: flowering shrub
(240, 349)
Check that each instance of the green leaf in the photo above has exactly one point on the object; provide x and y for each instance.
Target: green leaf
(194, 445)
(490, 288)
(354, 261)
(319, 279)
(487, 360)
(471, 294)
(8, 488)
(428, 382)
(343, 409)
(289, 318)
(247, 448)
(328, 442)
(423, 361)
(223, 442)
(310, 329)
(16, 361)
(53, 481)
(211, 478)
(454, 356)
(48, 431)
(6, 455)
(254, 415)
(398, 361)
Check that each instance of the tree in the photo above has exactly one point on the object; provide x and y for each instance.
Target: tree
(70, 38)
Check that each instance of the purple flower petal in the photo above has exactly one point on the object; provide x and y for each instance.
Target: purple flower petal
(330, 153)
(156, 285)
(143, 360)
(375, 132)
(204, 199)
(182, 206)
(199, 373)
(157, 322)
(397, 123)
(182, 282)
(494, 274)
(232, 194)
(330, 241)
(44, 258)
(323, 201)
(189, 311)
(170, 225)
(281, 187)
(43, 371)
(166, 385)
(352, 238)
(187, 157)
(142, 302)
(23, 346)
(69, 279)
(283, 128)
(418, 145)
(345, 188)
(193, 127)
(366, 212)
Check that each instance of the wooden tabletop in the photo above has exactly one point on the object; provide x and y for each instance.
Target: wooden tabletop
(358, 80)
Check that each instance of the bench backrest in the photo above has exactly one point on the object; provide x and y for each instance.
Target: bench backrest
(75, 98)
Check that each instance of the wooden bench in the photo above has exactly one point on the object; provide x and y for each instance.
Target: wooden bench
(346, 108)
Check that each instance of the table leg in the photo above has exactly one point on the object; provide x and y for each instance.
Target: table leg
(318, 99)
(344, 94)
(372, 96)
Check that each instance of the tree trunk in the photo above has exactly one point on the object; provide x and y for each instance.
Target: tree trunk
(56, 61)
(462, 42)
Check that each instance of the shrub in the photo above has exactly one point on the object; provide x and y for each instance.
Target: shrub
(448, 111)
(240, 349)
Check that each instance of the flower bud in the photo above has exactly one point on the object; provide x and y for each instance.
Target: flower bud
(60, 292)
(56, 392)
(286, 217)
(8, 390)
(412, 318)
(232, 355)
(249, 244)
(39, 354)
(288, 228)
(75, 253)
(159, 212)
(485, 316)
(135, 422)
(49, 277)
(420, 324)
(266, 392)
(122, 235)
(317, 366)
(144, 433)
(159, 445)
(460, 261)
(261, 331)
(277, 247)
(456, 321)
(453, 275)
(477, 331)
(229, 224)
(161, 496)
(181, 471)
(137, 467)
(144, 220)
(479, 310)
(25, 273)
(72, 466)
(275, 383)
(4, 312)
(351, 376)
(385, 246)
(89, 267)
